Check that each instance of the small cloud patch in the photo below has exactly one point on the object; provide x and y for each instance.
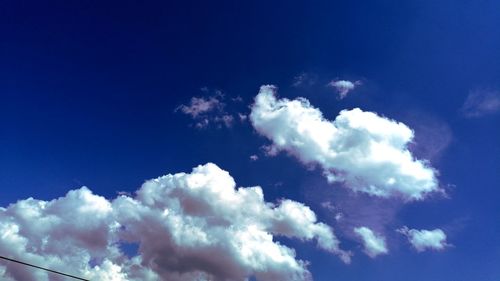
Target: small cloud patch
(423, 240)
(343, 87)
(212, 110)
(373, 243)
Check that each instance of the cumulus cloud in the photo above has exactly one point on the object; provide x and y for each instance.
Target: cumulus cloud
(343, 87)
(374, 244)
(423, 239)
(65, 234)
(480, 103)
(367, 152)
(187, 226)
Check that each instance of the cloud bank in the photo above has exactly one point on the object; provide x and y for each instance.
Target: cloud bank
(367, 152)
(187, 226)
(374, 244)
(423, 239)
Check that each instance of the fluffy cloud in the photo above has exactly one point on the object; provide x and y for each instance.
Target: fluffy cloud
(480, 103)
(365, 151)
(180, 222)
(374, 245)
(343, 87)
(65, 234)
(423, 239)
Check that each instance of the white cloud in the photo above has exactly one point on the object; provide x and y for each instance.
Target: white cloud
(481, 102)
(65, 234)
(343, 87)
(188, 226)
(423, 239)
(374, 244)
(365, 151)
(254, 157)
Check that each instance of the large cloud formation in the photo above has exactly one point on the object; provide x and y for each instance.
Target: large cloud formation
(187, 226)
(365, 151)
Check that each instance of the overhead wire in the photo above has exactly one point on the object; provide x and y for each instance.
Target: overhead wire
(43, 268)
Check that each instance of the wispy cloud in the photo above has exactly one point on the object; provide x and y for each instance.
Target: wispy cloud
(480, 103)
(211, 110)
(432, 135)
(199, 105)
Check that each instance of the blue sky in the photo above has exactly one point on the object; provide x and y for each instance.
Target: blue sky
(101, 95)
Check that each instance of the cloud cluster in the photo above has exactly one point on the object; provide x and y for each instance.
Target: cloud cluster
(209, 110)
(374, 244)
(187, 226)
(423, 239)
(480, 103)
(343, 87)
(198, 106)
(367, 152)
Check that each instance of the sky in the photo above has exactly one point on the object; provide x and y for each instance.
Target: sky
(250, 140)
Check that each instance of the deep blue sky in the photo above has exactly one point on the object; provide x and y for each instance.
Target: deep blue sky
(88, 91)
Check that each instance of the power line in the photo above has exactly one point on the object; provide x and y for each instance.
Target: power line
(43, 268)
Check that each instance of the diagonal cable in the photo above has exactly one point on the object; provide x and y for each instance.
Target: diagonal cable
(43, 268)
